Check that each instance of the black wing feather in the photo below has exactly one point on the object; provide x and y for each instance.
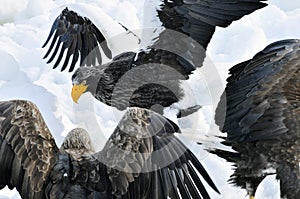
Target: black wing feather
(255, 94)
(196, 20)
(79, 36)
(259, 110)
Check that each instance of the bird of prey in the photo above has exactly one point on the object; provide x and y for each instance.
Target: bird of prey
(141, 159)
(260, 111)
(150, 78)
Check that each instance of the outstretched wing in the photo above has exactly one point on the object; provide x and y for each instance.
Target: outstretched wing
(78, 36)
(189, 26)
(261, 99)
(27, 148)
(144, 159)
(199, 18)
(192, 24)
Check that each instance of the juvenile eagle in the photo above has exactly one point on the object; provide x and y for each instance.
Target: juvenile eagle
(141, 159)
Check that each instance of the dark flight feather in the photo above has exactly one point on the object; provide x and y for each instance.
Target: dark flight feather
(259, 110)
(78, 36)
(152, 77)
(142, 155)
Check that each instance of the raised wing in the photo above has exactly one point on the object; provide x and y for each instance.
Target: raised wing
(78, 36)
(27, 148)
(192, 24)
(261, 99)
(144, 159)
(199, 18)
(189, 26)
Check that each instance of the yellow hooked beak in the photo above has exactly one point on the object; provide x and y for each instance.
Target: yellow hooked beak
(77, 91)
(252, 197)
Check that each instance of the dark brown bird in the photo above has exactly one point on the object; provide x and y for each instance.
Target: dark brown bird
(152, 77)
(260, 111)
(141, 159)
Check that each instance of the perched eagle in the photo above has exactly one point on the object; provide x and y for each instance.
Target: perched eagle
(260, 111)
(141, 159)
(150, 78)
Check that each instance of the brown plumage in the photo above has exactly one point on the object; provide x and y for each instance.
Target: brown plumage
(259, 110)
(141, 159)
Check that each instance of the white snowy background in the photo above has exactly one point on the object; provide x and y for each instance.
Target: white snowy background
(25, 24)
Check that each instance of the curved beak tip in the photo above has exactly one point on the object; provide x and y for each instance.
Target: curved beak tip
(77, 91)
(75, 101)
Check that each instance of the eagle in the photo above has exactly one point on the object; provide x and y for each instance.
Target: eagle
(142, 159)
(152, 77)
(260, 112)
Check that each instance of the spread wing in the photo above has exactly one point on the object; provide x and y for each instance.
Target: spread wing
(144, 159)
(27, 148)
(194, 22)
(189, 26)
(78, 36)
(199, 18)
(261, 99)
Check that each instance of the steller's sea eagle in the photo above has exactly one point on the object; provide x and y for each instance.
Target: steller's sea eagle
(141, 159)
(260, 111)
(150, 78)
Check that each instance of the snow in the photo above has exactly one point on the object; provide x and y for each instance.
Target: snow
(9, 9)
(24, 26)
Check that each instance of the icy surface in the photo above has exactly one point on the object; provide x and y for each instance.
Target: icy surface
(24, 26)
